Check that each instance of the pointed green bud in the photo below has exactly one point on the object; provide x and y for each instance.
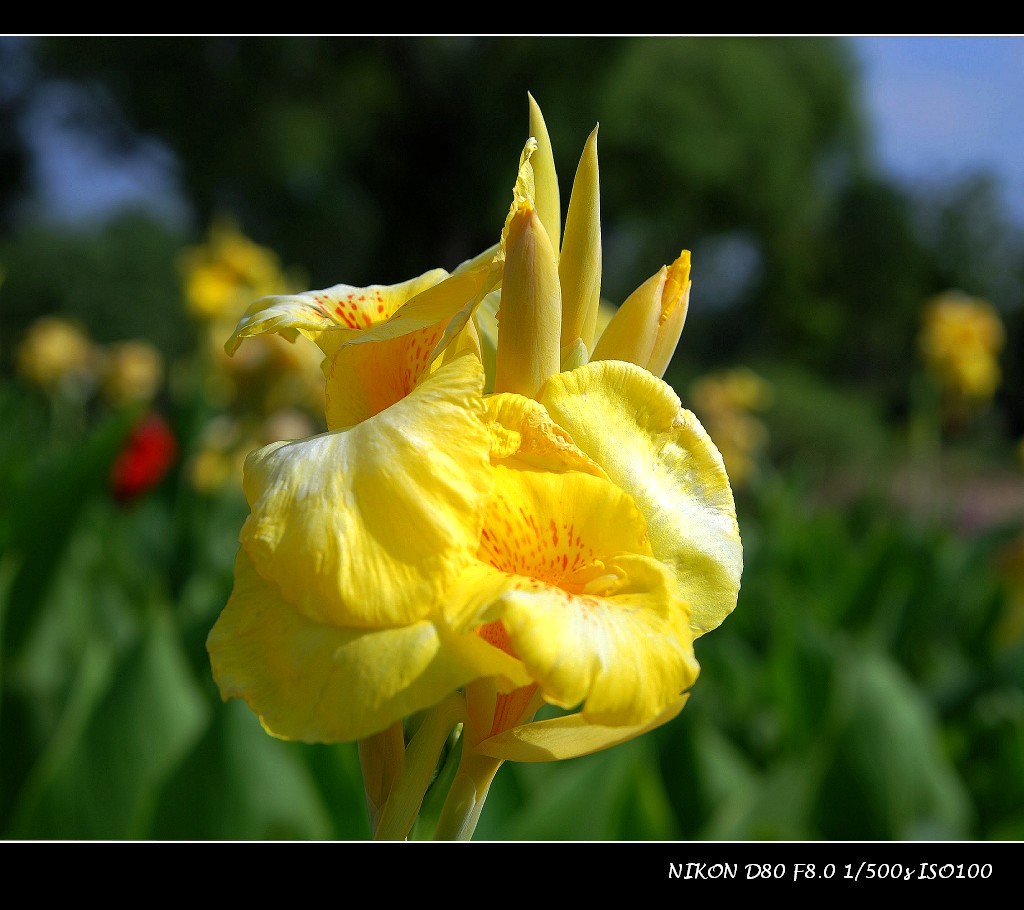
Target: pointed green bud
(549, 205)
(579, 265)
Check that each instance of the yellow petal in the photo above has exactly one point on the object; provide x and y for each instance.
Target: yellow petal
(624, 655)
(522, 429)
(364, 379)
(368, 525)
(592, 616)
(318, 682)
(329, 316)
(451, 301)
(567, 737)
(524, 192)
(579, 265)
(485, 317)
(632, 424)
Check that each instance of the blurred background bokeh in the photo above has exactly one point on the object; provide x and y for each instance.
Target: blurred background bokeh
(854, 346)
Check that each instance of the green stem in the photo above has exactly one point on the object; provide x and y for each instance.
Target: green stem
(381, 758)
(421, 757)
(465, 801)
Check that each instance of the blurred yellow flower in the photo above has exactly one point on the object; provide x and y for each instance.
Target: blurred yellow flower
(960, 340)
(227, 440)
(220, 453)
(224, 274)
(211, 469)
(220, 279)
(133, 372)
(727, 403)
(57, 353)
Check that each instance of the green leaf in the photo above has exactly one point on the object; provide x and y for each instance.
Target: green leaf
(44, 513)
(240, 783)
(889, 778)
(104, 781)
(773, 805)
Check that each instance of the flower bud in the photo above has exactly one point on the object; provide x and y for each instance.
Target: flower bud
(529, 316)
(647, 326)
(579, 264)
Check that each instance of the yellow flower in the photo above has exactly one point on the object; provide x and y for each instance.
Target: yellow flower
(220, 280)
(56, 353)
(133, 372)
(960, 340)
(211, 469)
(226, 272)
(560, 540)
(726, 403)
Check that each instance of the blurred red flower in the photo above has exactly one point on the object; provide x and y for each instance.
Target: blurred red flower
(147, 454)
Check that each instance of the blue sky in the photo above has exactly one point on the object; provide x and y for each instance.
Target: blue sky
(939, 107)
(944, 106)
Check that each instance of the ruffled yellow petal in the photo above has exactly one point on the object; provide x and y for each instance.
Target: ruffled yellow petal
(632, 424)
(451, 302)
(576, 597)
(624, 656)
(567, 737)
(524, 191)
(367, 526)
(522, 429)
(318, 682)
(330, 316)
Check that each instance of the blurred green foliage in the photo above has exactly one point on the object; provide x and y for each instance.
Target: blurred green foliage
(373, 158)
(865, 687)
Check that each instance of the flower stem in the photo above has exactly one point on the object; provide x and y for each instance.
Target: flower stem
(381, 758)
(406, 797)
(465, 801)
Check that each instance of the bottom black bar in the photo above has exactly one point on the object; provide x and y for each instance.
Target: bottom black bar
(575, 869)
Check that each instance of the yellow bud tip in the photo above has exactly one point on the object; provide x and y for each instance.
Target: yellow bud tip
(675, 284)
(675, 302)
